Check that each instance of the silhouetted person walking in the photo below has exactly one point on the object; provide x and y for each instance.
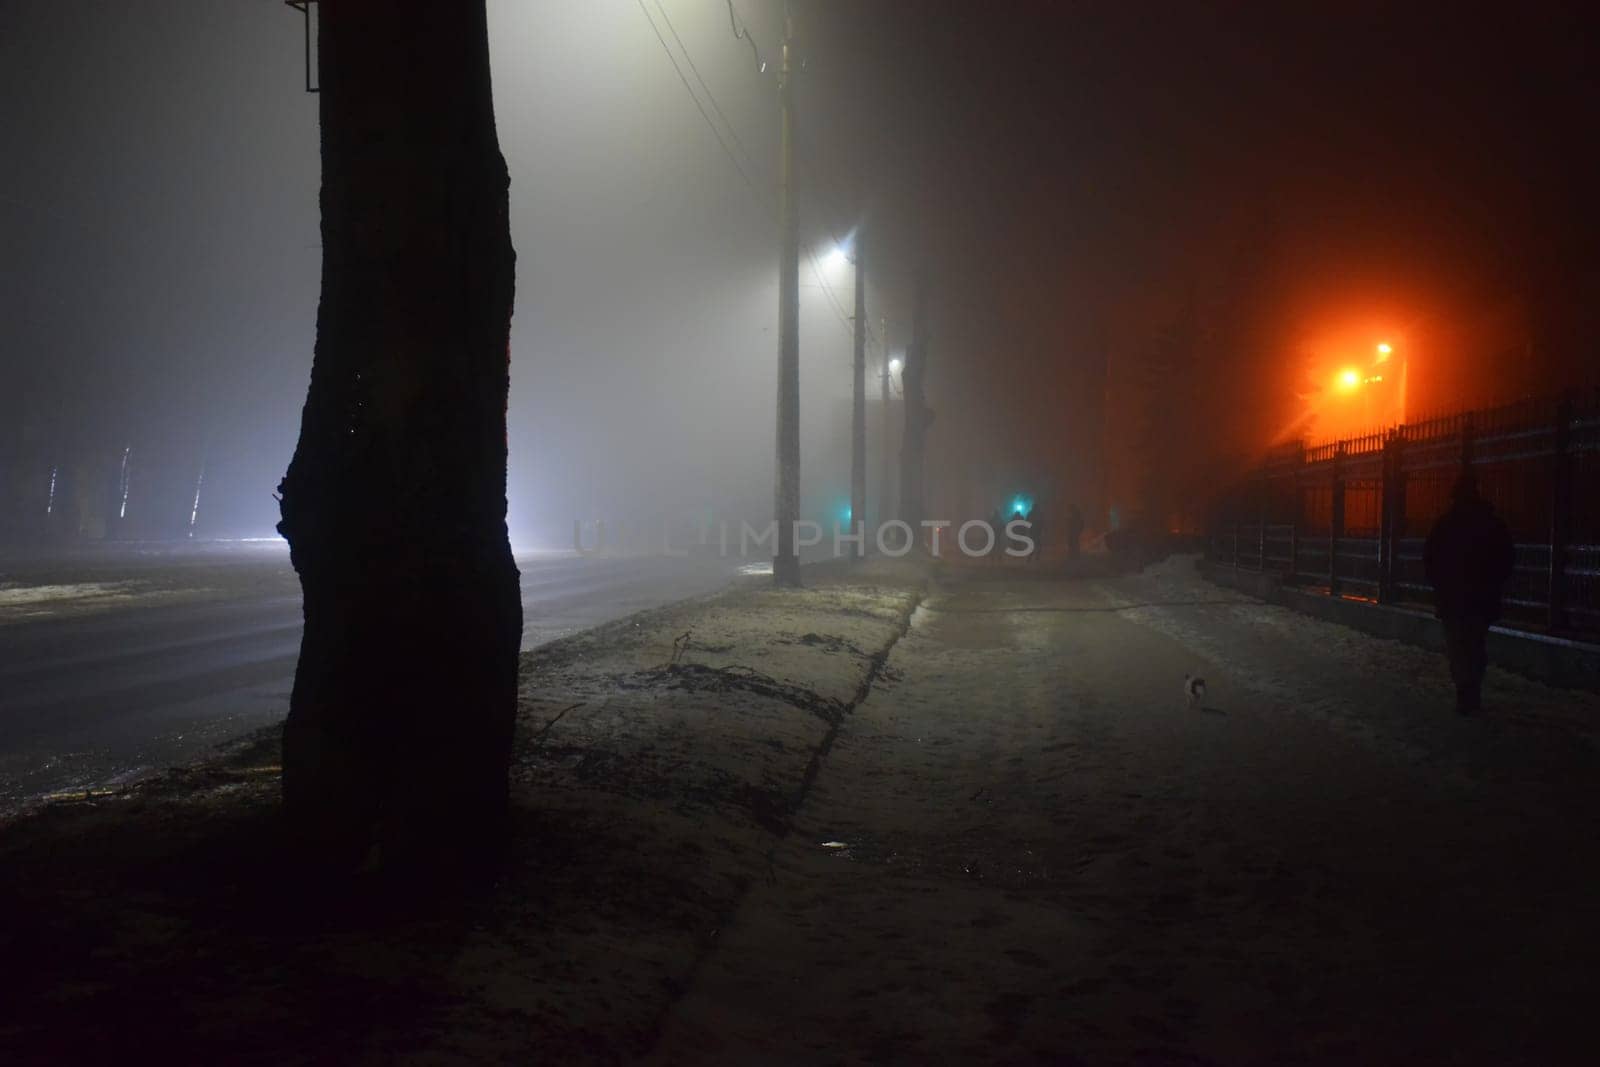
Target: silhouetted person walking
(1468, 557)
(1074, 531)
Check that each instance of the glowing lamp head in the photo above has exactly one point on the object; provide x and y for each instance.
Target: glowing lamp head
(837, 257)
(895, 364)
(1385, 348)
(1349, 380)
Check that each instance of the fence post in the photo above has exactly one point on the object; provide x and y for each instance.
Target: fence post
(1560, 513)
(1336, 520)
(1294, 520)
(1401, 484)
(1294, 539)
(1261, 524)
(1389, 478)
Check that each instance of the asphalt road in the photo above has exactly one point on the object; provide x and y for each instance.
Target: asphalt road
(152, 659)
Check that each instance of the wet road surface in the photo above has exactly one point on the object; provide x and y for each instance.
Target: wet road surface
(135, 669)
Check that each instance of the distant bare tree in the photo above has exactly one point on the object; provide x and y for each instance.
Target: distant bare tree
(400, 723)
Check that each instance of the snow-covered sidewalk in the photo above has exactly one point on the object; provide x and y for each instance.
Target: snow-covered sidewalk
(1394, 698)
(659, 761)
(880, 821)
(1032, 849)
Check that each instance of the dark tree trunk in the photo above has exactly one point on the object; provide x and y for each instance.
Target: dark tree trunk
(400, 723)
(917, 416)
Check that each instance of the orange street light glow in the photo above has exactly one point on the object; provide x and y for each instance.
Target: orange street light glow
(1384, 349)
(1349, 379)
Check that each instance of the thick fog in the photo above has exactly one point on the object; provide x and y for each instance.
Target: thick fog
(1147, 247)
(644, 368)
(160, 200)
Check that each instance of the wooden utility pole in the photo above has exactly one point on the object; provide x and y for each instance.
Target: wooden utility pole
(858, 413)
(883, 458)
(786, 495)
(917, 416)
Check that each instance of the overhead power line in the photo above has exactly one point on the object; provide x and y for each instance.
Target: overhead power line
(715, 131)
(827, 290)
(710, 96)
(742, 34)
(745, 165)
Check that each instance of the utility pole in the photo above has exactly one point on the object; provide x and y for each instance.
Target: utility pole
(858, 413)
(916, 414)
(883, 456)
(786, 495)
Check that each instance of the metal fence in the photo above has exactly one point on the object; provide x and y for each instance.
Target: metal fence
(1350, 518)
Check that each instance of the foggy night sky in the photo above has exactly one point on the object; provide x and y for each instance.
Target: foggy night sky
(1067, 177)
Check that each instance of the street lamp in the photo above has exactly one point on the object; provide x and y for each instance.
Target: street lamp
(1397, 392)
(895, 364)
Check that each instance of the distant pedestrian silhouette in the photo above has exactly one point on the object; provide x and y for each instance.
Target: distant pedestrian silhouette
(1468, 557)
(1074, 531)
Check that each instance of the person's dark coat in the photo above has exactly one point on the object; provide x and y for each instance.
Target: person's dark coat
(1468, 557)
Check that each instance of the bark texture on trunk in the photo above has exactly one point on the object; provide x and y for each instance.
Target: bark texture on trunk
(400, 723)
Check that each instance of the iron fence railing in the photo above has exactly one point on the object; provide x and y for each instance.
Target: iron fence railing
(1350, 518)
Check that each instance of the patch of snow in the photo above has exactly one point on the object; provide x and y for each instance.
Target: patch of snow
(13, 595)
